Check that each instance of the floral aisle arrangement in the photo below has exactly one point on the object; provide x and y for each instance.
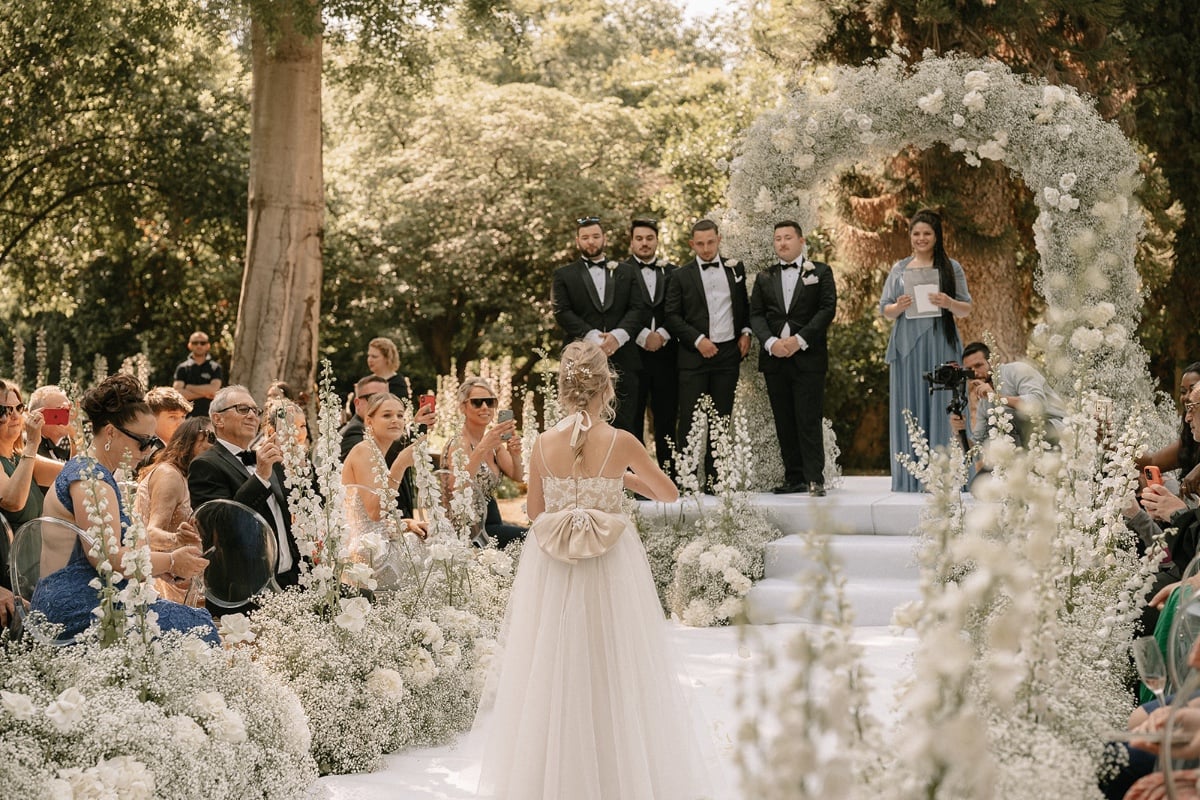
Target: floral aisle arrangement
(378, 671)
(705, 565)
(130, 713)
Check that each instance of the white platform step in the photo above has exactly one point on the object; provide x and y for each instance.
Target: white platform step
(773, 600)
(865, 557)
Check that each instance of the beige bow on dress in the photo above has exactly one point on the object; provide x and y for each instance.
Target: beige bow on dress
(576, 533)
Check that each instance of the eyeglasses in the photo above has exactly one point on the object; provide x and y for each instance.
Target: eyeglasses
(1187, 407)
(150, 442)
(585, 221)
(210, 437)
(480, 402)
(198, 341)
(241, 408)
(6, 410)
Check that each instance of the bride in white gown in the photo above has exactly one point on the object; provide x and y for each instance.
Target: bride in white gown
(587, 704)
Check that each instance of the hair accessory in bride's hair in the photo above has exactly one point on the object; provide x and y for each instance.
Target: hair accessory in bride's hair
(576, 371)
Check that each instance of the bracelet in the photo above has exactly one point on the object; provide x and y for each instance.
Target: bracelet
(171, 568)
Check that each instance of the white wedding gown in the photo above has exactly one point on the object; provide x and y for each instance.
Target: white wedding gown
(587, 702)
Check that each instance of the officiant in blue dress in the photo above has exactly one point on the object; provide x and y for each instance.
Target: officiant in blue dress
(919, 344)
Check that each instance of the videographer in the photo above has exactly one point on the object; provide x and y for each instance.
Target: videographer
(1016, 387)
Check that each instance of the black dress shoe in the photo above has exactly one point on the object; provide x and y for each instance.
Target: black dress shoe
(816, 489)
(787, 488)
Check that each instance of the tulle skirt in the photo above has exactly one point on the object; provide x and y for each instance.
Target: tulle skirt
(585, 701)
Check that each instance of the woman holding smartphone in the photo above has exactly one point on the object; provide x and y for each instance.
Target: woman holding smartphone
(20, 434)
(490, 452)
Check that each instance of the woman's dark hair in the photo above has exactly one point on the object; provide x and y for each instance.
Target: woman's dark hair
(116, 400)
(945, 270)
(180, 451)
(1189, 448)
(284, 388)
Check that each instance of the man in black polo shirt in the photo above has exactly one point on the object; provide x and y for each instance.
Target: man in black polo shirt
(199, 377)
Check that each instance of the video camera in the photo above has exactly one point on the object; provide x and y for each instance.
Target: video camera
(952, 377)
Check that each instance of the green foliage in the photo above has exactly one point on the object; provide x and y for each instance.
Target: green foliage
(122, 172)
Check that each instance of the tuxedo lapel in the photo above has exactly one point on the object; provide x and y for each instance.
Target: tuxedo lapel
(589, 285)
(777, 285)
(660, 286)
(701, 304)
(641, 281)
(231, 463)
(610, 279)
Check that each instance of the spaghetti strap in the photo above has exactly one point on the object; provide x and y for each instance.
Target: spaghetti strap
(542, 457)
(612, 443)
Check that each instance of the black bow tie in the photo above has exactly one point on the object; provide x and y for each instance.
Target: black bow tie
(788, 265)
(646, 264)
(707, 264)
(248, 457)
(595, 264)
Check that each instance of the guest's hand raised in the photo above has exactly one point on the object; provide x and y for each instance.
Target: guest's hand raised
(187, 562)
(426, 415)
(492, 441)
(1160, 503)
(187, 534)
(269, 454)
(33, 426)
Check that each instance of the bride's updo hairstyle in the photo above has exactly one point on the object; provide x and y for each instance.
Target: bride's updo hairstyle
(583, 375)
(116, 400)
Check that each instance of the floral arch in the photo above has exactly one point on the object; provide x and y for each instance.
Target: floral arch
(1082, 169)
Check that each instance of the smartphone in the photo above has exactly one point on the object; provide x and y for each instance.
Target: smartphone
(1153, 475)
(56, 416)
(427, 401)
(504, 415)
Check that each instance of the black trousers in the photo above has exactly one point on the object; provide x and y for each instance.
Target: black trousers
(658, 390)
(716, 377)
(798, 405)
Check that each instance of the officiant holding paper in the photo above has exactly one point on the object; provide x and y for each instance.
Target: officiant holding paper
(923, 293)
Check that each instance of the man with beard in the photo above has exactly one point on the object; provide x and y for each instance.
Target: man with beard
(597, 300)
(658, 385)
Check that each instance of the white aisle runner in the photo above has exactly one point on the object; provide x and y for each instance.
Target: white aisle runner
(712, 659)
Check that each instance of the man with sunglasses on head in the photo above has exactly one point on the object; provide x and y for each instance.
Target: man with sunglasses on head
(352, 431)
(598, 300)
(658, 383)
(229, 470)
(199, 377)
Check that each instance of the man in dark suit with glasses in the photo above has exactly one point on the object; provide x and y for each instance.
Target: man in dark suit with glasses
(598, 300)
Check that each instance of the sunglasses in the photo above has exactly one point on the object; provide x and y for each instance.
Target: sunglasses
(585, 221)
(150, 442)
(241, 408)
(480, 402)
(6, 410)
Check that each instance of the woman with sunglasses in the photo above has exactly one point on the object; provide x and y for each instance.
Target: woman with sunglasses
(20, 435)
(163, 502)
(490, 454)
(123, 429)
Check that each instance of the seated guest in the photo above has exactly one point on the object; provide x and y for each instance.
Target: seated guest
(162, 499)
(229, 470)
(1181, 520)
(124, 431)
(24, 470)
(56, 439)
(490, 453)
(366, 466)
(283, 414)
(1182, 454)
(352, 431)
(170, 409)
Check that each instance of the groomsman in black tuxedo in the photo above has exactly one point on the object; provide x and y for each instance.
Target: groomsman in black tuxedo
(708, 313)
(599, 301)
(658, 384)
(229, 470)
(790, 310)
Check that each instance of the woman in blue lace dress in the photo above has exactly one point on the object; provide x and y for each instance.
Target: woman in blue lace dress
(124, 432)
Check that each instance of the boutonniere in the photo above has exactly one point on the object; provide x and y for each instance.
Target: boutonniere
(807, 267)
(660, 262)
(610, 266)
(733, 262)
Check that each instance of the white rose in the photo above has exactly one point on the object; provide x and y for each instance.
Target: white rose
(784, 139)
(971, 159)
(812, 126)
(386, 682)
(863, 122)
(17, 704)
(195, 648)
(958, 120)
(1067, 181)
(428, 632)
(359, 574)
(67, 710)
(422, 671)
(868, 138)
(992, 150)
(1101, 314)
(1052, 96)
(698, 614)
(729, 608)
(449, 654)
(974, 101)
(1086, 340)
(849, 116)
(932, 103)
(764, 201)
(235, 629)
(353, 616)
(1068, 203)
(441, 552)
(976, 80)
(1064, 132)
(959, 145)
(208, 704)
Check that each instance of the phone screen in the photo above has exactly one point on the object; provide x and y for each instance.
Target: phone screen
(505, 415)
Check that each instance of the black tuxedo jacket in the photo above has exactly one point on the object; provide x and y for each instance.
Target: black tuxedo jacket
(656, 303)
(687, 307)
(812, 309)
(217, 474)
(579, 309)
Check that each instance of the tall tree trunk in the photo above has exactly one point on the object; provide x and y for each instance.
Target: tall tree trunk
(276, 336)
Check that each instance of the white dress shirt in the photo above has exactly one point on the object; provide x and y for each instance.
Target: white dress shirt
(598, 271)
(285, 552)
(720, 303)
(650, 277)
(791, 277)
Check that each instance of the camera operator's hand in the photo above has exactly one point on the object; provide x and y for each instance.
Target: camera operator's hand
(957, 423)
(979, 390)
